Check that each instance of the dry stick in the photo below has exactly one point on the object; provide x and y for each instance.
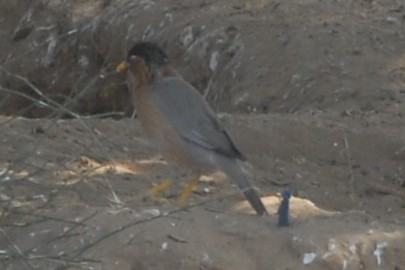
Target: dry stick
(25, 80)
(44, 104)
(208, 88)
(55, 108)
(59, 258)
(54, 104)
(102, 115)
(67, 262)
(23, 159)
(23, 156)
(75, 223)
(6, 101)
(13, 118)
(383, 189)
(65, 233)
(152, 218)
(50, 102)
(62, 259)
(176, 238)
(101, 146)
(16, 248)
(350, 163)
(66, 34)
(114, 195)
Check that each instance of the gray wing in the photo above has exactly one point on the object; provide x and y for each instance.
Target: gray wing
(191, 116)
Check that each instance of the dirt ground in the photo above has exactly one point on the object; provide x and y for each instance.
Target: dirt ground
(313, 93)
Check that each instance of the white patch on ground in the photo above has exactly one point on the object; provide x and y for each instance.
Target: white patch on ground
(187, 36)
(214, 60)
(379, 249)
(309, 258)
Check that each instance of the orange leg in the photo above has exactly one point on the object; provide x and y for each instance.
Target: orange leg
(188, 190)
(160, 187)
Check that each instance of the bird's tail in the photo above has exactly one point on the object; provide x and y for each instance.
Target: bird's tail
(233, 169)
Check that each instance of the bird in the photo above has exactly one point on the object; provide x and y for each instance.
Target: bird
(179, 121)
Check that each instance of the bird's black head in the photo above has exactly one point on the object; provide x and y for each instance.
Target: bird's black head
(150, 52)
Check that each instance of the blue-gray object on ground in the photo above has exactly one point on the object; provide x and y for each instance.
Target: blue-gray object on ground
(284, 209)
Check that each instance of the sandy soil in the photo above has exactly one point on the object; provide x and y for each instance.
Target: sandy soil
(313, 93)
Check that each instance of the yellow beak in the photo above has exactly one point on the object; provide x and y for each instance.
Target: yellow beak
(122, 67)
